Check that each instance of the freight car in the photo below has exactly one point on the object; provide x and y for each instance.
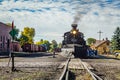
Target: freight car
(15, 46)
(33, 48)
(74, 41)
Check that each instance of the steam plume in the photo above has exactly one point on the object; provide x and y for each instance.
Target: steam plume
(77, 18)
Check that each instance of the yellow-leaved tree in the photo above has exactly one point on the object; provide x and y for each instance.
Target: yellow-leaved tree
(27, 36)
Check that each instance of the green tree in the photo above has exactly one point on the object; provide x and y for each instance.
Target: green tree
(40, 42)
(116, 39)
(47, 43)
(44, 42)
(53, 45)
(90, 41)
(60, 45)
(23, 39)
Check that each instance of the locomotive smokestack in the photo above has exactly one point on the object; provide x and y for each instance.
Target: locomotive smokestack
(74, 26)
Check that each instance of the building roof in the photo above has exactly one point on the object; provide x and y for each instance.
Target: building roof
(5, 29)
(1, 24)
(100, 42)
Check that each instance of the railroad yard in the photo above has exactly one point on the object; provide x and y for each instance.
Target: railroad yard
(107, 69)
(44, 66)
(39, 66)
(60, 40)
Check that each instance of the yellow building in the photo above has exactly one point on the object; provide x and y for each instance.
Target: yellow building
(102, 46)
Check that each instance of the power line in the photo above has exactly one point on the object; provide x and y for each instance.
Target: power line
(100, 32)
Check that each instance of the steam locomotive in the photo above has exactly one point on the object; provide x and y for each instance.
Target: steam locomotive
(74, 40)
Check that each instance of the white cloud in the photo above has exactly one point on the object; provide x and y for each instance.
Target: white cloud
(93, 23)
(52, 19)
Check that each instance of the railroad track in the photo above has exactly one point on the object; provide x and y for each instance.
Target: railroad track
(65, 73)
(82, 65)
(94, 76)
(107, 69)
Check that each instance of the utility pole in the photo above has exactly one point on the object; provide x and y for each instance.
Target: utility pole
(12, 54)
(13, 67)
(12, 33)
(100, 34)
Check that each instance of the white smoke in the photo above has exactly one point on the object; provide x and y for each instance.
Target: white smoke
(77, 18)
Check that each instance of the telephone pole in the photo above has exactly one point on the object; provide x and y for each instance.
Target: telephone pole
(100, 34)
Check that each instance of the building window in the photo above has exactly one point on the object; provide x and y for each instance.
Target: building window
(1, 45)
(3, 41)
(6, 38)
(1, 38)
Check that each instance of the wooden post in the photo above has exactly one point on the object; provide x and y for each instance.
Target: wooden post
(53, 54)
(12, 56)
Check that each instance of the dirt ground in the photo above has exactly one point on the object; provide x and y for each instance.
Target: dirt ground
(40, 66)
(105, 67)
(45, 73)
(45, 67)
(79, 75)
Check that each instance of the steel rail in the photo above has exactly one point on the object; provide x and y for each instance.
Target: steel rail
(98, 78)
(94, 76)
(65, 73)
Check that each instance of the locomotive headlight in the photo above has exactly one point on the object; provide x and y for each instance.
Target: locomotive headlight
(74, 32)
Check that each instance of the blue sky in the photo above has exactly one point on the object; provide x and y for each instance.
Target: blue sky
(51, 18)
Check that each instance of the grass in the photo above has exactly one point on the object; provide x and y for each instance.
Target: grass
(118, 76)
(81, 75)
(33, 76)
(26, 75)
(118, 57)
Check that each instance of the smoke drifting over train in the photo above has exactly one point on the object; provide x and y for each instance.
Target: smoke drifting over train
(77, 18)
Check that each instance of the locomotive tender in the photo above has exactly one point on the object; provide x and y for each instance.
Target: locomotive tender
(74, 42)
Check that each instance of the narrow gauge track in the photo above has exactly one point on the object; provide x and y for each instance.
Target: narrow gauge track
(66, 70)
(107, 69)
(94, 76)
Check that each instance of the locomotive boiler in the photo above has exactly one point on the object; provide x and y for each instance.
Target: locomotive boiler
(74, 41)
